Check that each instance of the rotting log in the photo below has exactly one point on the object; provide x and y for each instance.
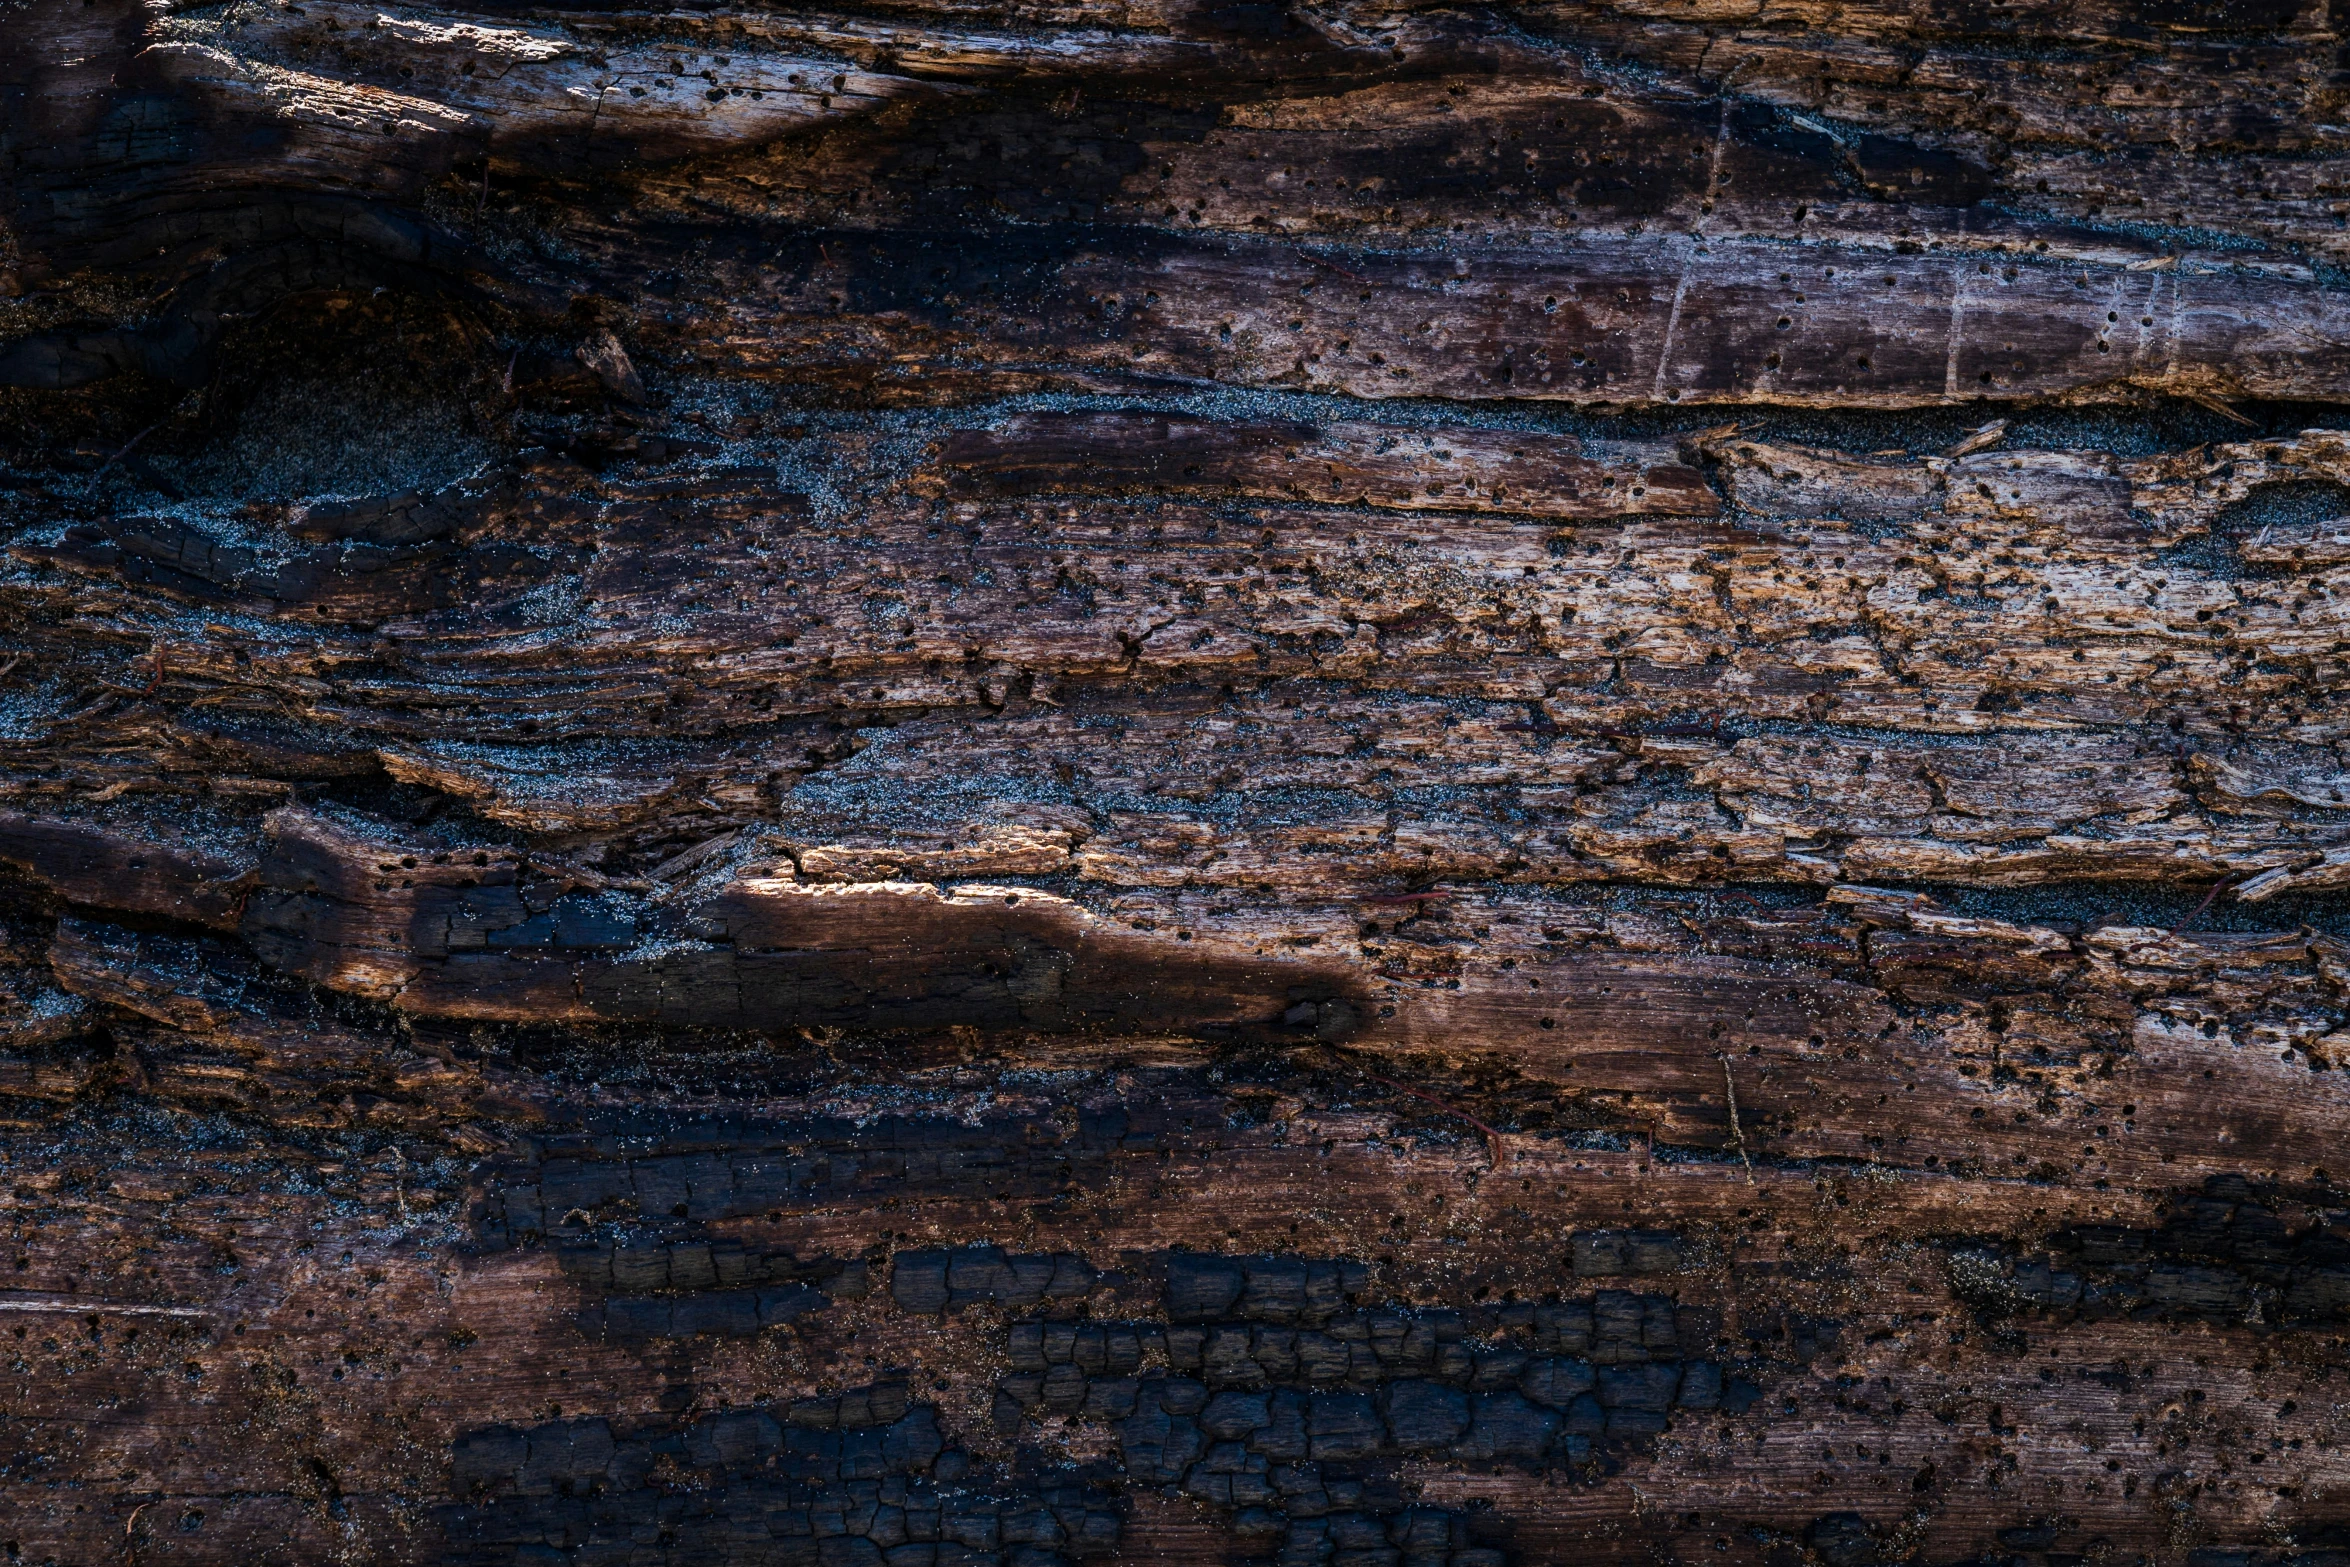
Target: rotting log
(951, 784)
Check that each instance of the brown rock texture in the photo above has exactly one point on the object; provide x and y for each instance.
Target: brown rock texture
(1363, 784)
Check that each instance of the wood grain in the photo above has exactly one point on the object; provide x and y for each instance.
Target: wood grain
(1344, 785)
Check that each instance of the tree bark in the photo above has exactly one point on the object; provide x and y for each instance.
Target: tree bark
(1330, 784)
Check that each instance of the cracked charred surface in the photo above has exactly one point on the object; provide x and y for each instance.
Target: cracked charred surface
(1361, 784)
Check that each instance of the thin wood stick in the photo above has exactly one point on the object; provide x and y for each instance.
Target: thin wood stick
(2216, 406)
(1737, 1132)
(2217, 887)
(130, 446)
(33, 1300)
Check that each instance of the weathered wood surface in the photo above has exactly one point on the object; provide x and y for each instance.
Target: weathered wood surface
(952, 784)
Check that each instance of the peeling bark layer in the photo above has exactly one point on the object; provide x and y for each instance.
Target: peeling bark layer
(935, 785)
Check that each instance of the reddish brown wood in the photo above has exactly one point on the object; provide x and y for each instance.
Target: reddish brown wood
(935, 785)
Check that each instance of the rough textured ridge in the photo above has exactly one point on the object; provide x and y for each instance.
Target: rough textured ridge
(1340, 785)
